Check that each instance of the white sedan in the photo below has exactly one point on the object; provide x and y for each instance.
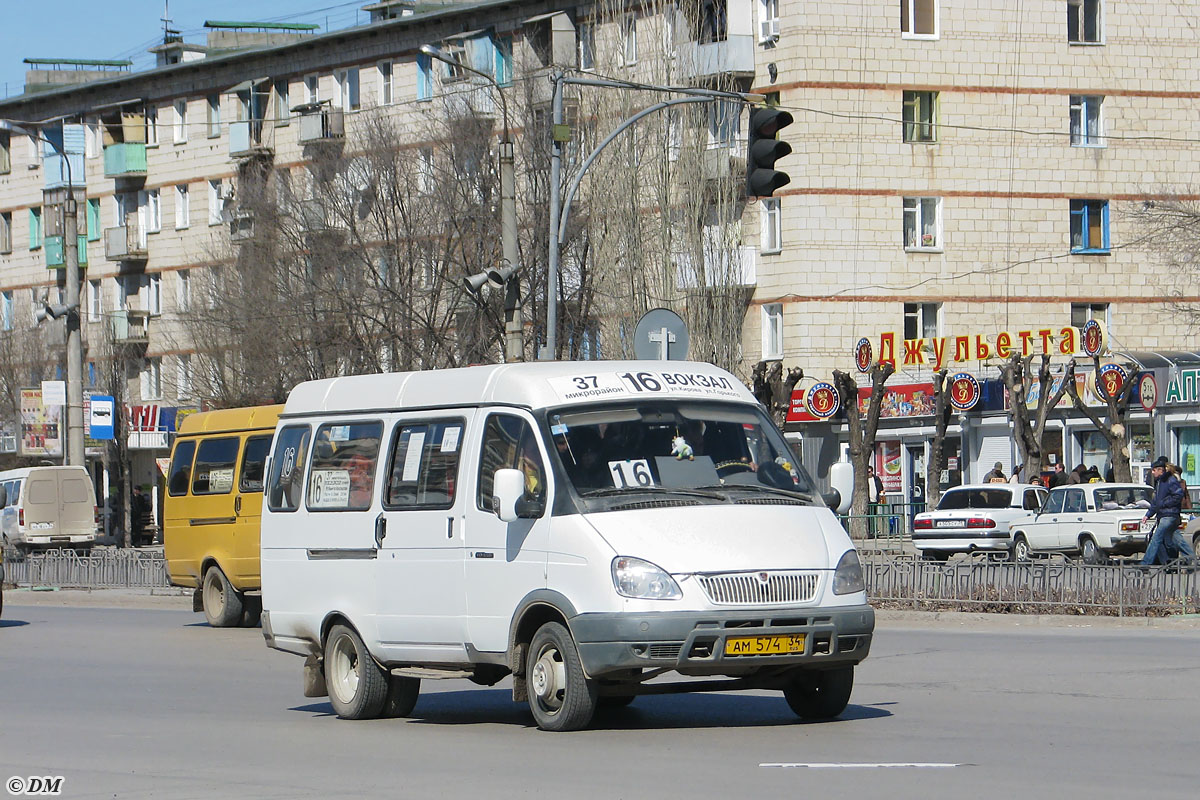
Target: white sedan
(1093, 520)
(974, 518)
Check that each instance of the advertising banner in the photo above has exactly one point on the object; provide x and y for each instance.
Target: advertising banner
(41, 426)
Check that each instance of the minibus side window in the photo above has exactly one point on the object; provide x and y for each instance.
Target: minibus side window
(287, 468)
(181, 469)
(342, 474)
(215, 459)
(509, 442)
(14, 492)
(424, 465)
(253, 461)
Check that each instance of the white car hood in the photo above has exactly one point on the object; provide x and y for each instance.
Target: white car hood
(725, 538)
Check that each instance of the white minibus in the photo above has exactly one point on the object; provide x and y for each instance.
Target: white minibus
(45, 507)
(593, 530)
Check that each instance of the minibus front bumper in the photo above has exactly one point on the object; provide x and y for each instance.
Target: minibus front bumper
(730, 641)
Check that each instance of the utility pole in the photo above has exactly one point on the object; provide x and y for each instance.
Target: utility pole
(75, 456)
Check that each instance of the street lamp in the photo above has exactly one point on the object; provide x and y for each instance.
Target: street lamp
(74, 448)
(514, 345)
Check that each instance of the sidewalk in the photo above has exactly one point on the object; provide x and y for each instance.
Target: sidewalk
(171, 599)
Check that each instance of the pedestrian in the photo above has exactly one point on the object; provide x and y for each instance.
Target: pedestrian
(1016, 474)
(1091, 476)
(1182, 547)
(997, 474)
(1077, 474)
(139, 511)
(875, 500)
(1165, 508)
(1060, 477)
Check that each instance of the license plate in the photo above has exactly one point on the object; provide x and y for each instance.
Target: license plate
(764, 645)
(947, 523)
(1148, 525)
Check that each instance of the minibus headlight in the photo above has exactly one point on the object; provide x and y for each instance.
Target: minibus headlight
(634, 577)
(848, 577)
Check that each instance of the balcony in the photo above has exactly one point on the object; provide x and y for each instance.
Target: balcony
(721, 268)
(130, 327)
(58, 169)
(733, 57)
(56, 258)
(241, 226)
(724, 162)
(127, 160)
(126, 243)
(251, 139)
(319, 224)
(320, 123)
(474, 98)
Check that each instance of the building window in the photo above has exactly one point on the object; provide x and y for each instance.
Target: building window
(919, 19)
(1083, 22)
(629, 40)
(425, 175)
(282, 105)
(312, 88)
(152, 202)
(385, 83)
(1089, 226)
(5, 152)
(120, 296)
(587, 45)
(921, 320)
(712, 21)
(768, 20)
(1087, 128)
(772, 227)
(180, 132)
(183, 207)
(1082, 312)
(6, 232)
(183, 291)
(214, 202)
(95, 298)
(724, 123)
(772, 330)
(922, 223)
(347, 81)
(151, 126)
(154, 294)
(424, 77)
(920, 116)
(183, 381)
(152, 379)
(214, 116)
(93, 142)
(93, 219)
(35, 228)
(7, 311)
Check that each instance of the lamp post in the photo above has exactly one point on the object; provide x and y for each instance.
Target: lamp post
(74, 445)
(514, 344)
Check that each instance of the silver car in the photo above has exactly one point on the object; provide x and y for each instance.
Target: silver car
(974, 518)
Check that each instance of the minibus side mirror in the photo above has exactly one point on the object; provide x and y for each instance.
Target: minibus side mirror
(508, 488)
(832, 498)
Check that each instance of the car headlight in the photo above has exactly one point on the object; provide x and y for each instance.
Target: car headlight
(633, 577)
(848, 577)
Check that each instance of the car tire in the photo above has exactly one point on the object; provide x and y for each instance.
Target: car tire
(940, 556)
(402, 694)
(1090, 551)
(1021, 552)
(357, 685)
(561, 696)
(817, 695)
(223, 604)
(251, 611)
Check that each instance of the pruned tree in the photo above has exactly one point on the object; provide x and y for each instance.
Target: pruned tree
(1113, 424)
(1029, 426)
(862, 429)
(942, 409)
(774, 390)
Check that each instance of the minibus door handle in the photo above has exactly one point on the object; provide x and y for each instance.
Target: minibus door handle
(380, 530)
(237, 504)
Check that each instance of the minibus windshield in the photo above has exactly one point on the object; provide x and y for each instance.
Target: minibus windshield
(699, 451)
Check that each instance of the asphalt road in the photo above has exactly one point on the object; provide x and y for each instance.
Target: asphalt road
(142, 702)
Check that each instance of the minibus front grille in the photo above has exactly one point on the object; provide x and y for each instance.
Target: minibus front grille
(760, 588)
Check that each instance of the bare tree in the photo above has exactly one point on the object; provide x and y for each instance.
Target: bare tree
(1169, 227)
(862, 432)
(1029, 428)
(1113, 424)
(774, 390)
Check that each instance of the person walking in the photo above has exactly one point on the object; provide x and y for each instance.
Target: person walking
(1165, 508)
(1060, 477)
(1077, 474)
(1181, 544)
(1016, 474)
(997, 474)
(875, 500)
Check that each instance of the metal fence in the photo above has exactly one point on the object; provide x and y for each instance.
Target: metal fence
(101, 569)
(1056, 587)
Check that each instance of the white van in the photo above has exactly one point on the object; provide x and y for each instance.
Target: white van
(44, 507)
(583, 527)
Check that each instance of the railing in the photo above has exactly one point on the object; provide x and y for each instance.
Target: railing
(102, 569)
(251, 137)
(322, 123)
(131, 327)
(126, 243)
(125, 159)
(1057, 587)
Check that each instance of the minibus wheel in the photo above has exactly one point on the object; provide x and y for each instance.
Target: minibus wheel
(560, 695)
(222, 603)
(358, 687)
(820, 694)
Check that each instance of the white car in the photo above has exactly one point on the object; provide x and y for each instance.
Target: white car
(1093, 520)
(974, 518)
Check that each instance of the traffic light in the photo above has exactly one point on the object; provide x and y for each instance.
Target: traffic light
(764, 149)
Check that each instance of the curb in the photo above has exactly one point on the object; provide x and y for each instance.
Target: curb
(946, 619)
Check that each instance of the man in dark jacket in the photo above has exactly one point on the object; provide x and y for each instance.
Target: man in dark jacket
(1168, 495)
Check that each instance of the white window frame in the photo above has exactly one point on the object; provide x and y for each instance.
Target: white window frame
(153, 285)
(180, 132)
(152, 200)
(183, 207)
(93, 143)
(183, 376)
(8, 312)
(151, 379)
(920, 314)
(213, 105)
(1082, 4)
(772, 331)
(151, 126)
(348, 89)
(586, 44)
(6, 223)
(425, 170)
(387, 85)
(911, 7)
(120, 298)
(283, 109)
(312, 88)
(771, 215)
(95, 300)
(919, 122)
(183, 291)
(768, 21)
(1082, 108)
(629, 49)
(215, 201)
(1089, 312)
(916, 207)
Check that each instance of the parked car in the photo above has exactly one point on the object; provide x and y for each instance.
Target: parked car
(1092, 520)
(974, 518)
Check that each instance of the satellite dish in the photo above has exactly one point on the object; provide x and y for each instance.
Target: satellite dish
(661, 335)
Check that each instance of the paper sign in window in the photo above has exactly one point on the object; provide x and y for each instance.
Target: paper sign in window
(450, 439)
(412, 458)
(330, 488)
(220, 480)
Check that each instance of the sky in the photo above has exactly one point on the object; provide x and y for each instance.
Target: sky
(119, 29)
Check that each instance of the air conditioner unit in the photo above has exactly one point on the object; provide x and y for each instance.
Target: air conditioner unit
(227, 192)
(768, 30)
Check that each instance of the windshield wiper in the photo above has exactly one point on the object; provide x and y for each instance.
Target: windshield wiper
(609, 492)
(764, 488)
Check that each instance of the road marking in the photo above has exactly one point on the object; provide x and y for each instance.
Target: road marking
(902, 764)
